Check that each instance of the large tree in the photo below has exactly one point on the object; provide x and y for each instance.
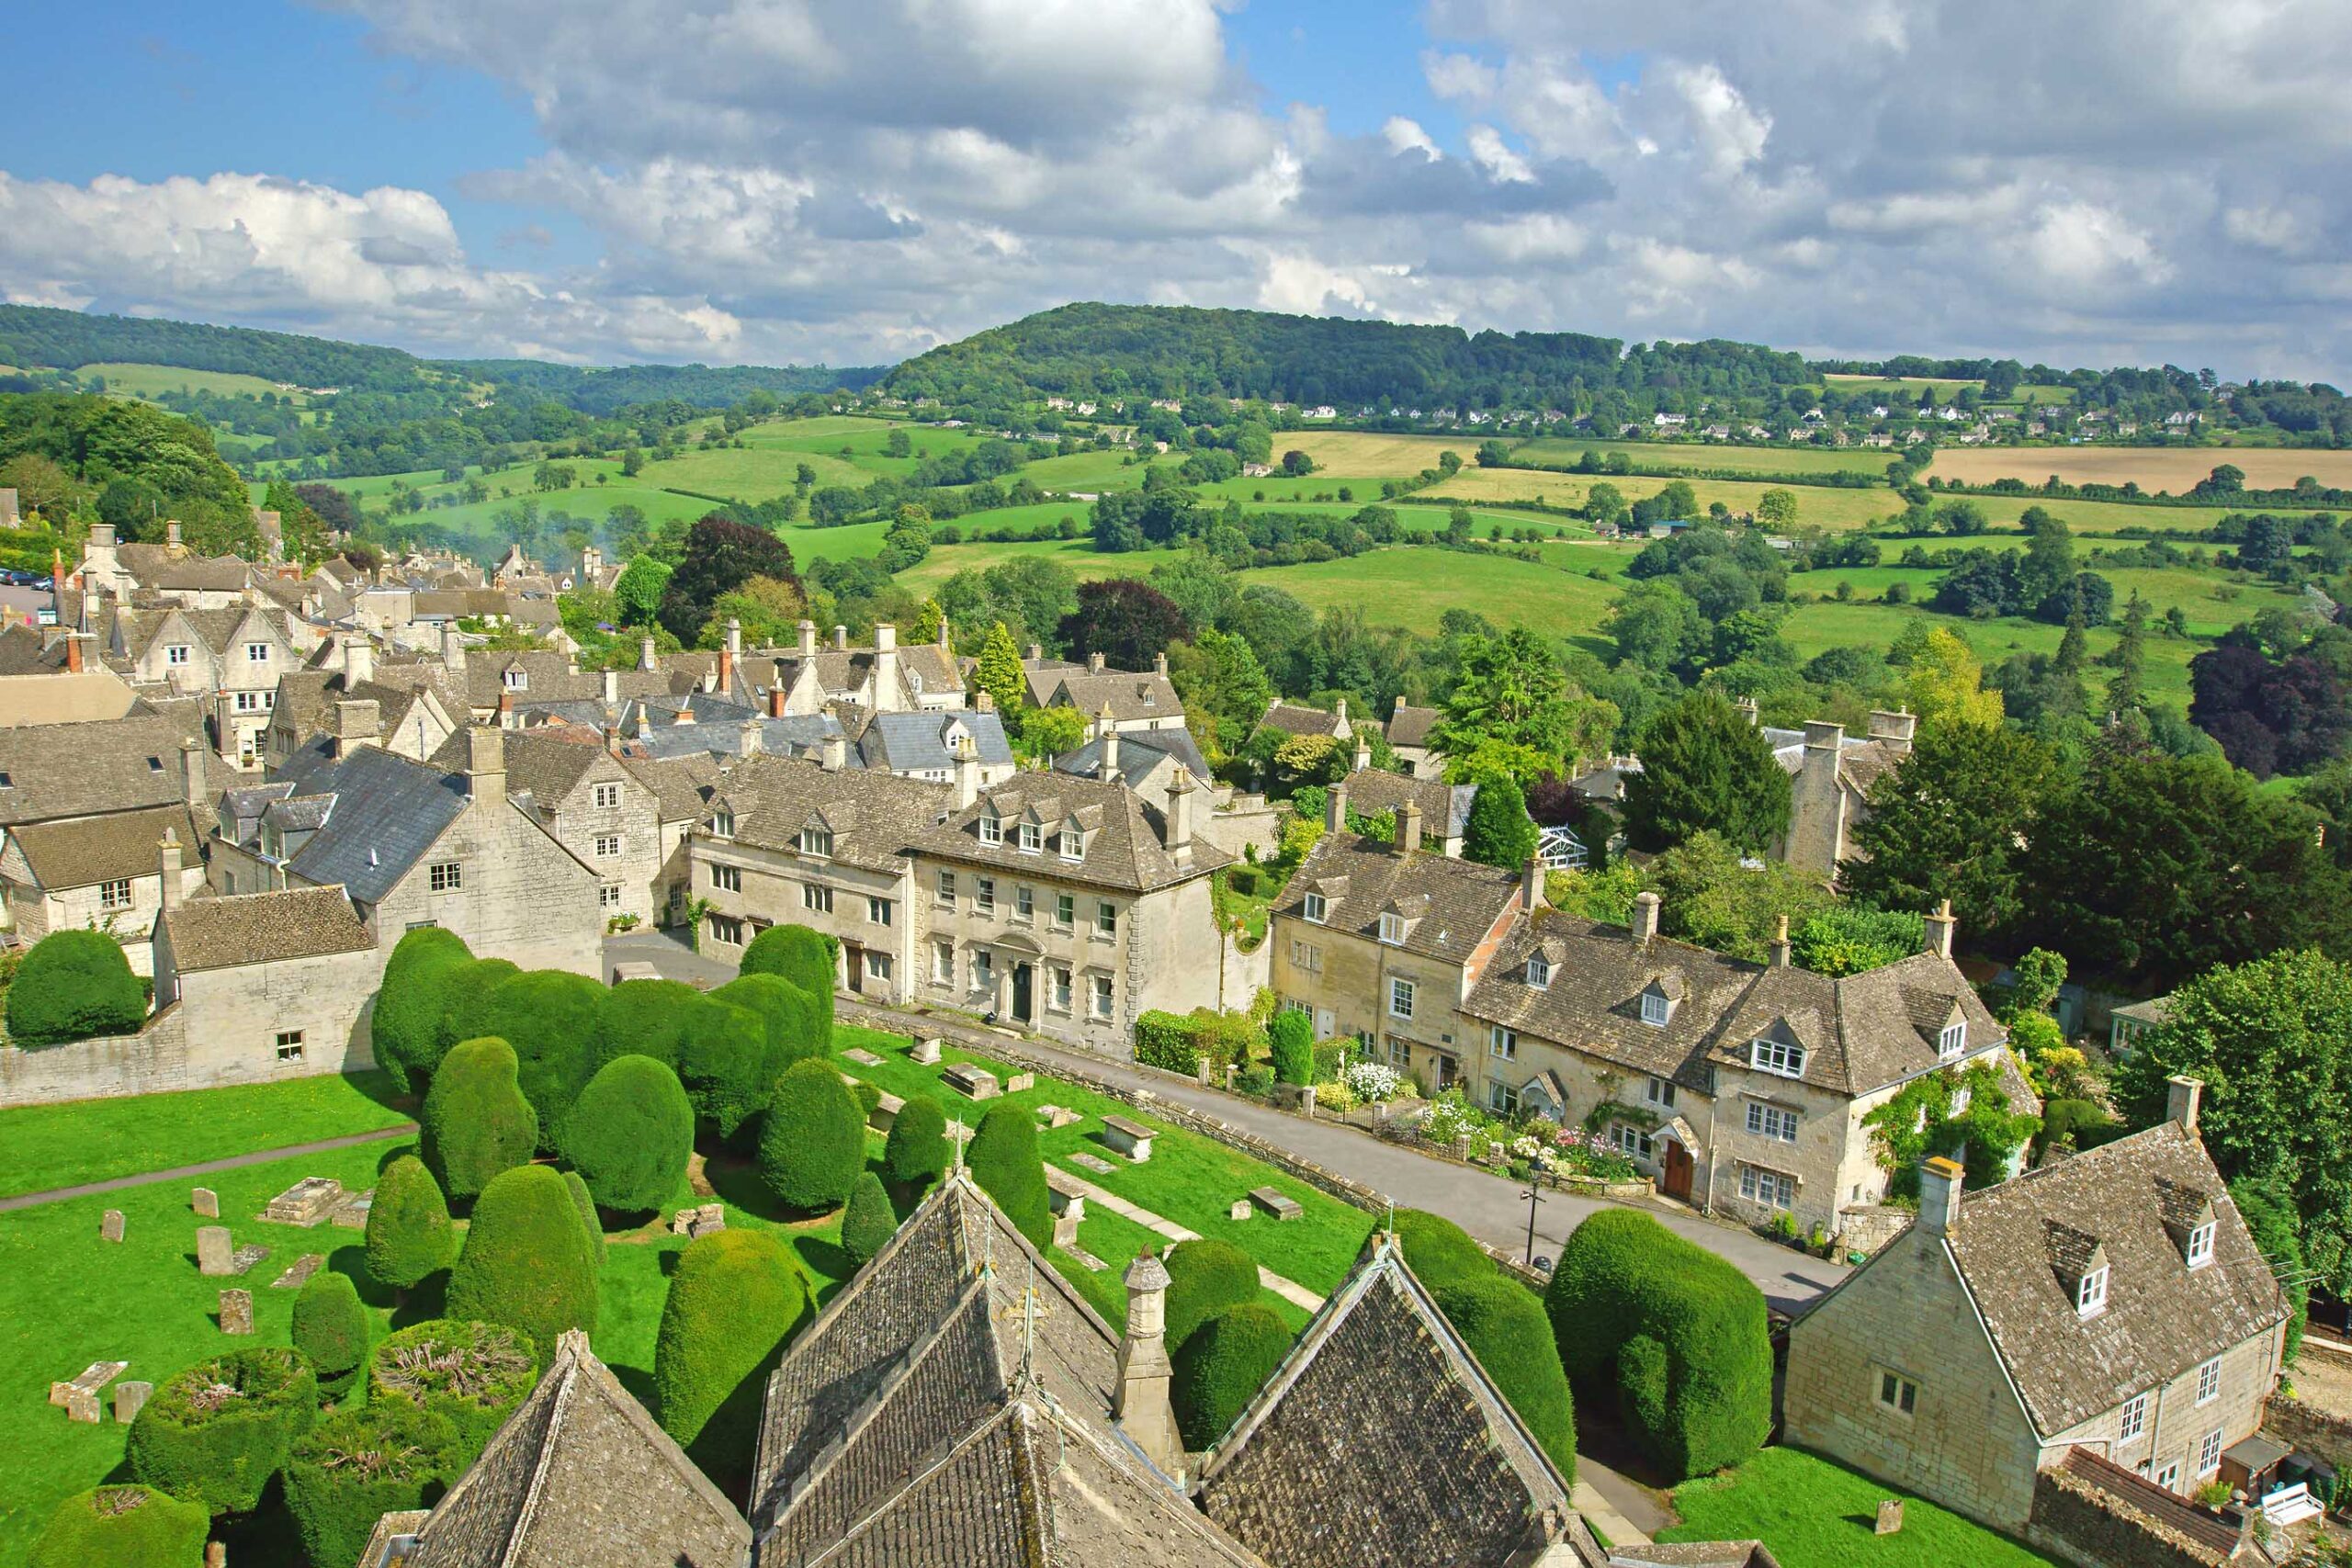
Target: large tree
(1705, 769)
(1512, 690)
(1127, 621)
(720, 556)
(1224, 688)
(1954, 819)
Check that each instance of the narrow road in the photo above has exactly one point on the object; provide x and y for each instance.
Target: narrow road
(181, 1172)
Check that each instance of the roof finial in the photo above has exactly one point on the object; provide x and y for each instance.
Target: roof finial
(959, 1143)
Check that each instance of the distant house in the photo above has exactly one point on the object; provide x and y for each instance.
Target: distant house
(1409, 730)
(1292, 718)
(2128, 1025)
(1831, 780)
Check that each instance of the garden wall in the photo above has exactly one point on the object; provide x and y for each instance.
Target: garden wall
(2308, 1427)
(2097, 1522)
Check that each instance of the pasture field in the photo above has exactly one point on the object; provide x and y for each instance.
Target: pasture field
(1090, 471)
(1908, 388)
(1554, 451)
(2172, 469)
(147, 381)
(1363, 455)
(1818, 506)
(1414, 588)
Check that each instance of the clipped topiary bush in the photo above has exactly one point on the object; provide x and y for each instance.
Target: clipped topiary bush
(409, 1236)
(813, 1144)
(810, 959)
(470, 1374)
(732, 1305)
(646, 1018)
(1221, 1367)
(406, 1024)
(465, 994)
(1439, 1252)
(74, 984)
(869, 1222)
(1671, 1334)
(797, 1027)
(867, 1097)
(719, 1060)
(1502, 1322)
(475, 1123)
(585, 1202)
(215, 1433)
(527, 1262)
(553, 1019)
(1205, 1278)
(628, 1136)
(915, 1153)
(331, 1328)
(123, 1527)
(1005, 1161)
(1290, 1039)
(359, 1464)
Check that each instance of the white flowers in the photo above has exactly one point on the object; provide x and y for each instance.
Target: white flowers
(1373, 1081)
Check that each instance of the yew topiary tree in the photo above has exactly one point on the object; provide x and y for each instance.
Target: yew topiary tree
(585, 1202)
(1499, 831)
(470, 1374)
(216, 1432)
(1220, 1368)
(364, 1463)
(869, 1222)
(406, 1024)
(807, 958)
(527, 1262)
(812, 1145)
(74, 984)
(476, 1122)
(1005, 1161)
(1439, 1252)
(630, 1133)
(331, 1328)
(915, 1154)
(1290, 1038)
(797, 1023)
(553, 1019)
(1206, 1277)
(1502, 1321)
(732, 1305)
(1704, 769)
(721, 1057)
(465, 992)
(646, 1018)
(408, 1226)
(123, 1527)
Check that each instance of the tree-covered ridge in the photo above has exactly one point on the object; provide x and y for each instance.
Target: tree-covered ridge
(67, 340)
(124, 462)
(1157, 351)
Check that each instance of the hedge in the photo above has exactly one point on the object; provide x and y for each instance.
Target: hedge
(553, 1019)
(331, 1328)
(869, 1222)
(719, 1057)
(1221, 1367)
(476, 1122)
(646, 1018)
(123, 1527)
(585, 1202)
(527, 1262)
(1206, 1277)
(1502, 1321)
(362, 1463)
(406, 1023)
(470, 1374)
(409, 1236)
(465, 994)
(74, 984)
(915, 1154)
(1291, 1040)
(813, 1144)
(629, 1134)
(1671, 1334)
(810, 959)
(1439, 1252)
(1005, 1161)
(216, 1432)
(733, 1303)
(1181, 1042)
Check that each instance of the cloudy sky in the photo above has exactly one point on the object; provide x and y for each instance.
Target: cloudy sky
(855, 180)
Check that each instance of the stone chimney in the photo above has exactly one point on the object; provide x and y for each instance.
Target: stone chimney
(168, 858)
(985, 702)
(1750, 711)
(1180, 790)
(1645, 905)
(453, 650)
(1037, 653)
(1940, 926)
(73, 653)
(1109, 771)
(506, 719)
(1363, 755)
(613, 739)
(808, 639)
(1334, 809)
(172, 535)
(1894, 728)
(192, 784)
(1408, 826)
(749, 738)
(885, 669)
(776, 701)
(1781, 949)
(728, 654)
(357, 723)
(486, 763)
(649, 657)
(1140, 1405)
(359, 661)
(592, 561)
(1532, 892)
(841, 639)
(1159, 665)
(1341, 711)
(2183, 1098)
(944, 645)
(835, 752)
(612, 688)
(1939, 1190)
(967, 773)
(1094, 664)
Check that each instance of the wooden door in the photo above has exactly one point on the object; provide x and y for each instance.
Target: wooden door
(1674, 1181)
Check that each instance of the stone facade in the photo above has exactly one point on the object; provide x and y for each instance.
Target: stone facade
(524, 896)
(610, 821)
(869, 911)
(257, 1023)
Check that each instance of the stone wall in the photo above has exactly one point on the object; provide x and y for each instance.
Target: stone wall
(2308, 1427)
(2092, 1528)
(155, 1058)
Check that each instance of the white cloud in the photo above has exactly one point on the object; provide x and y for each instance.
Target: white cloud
(2079, 243)
(1407, 136)
(1501, 164)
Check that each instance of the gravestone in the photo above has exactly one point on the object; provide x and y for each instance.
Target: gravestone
(297, 1276)
(1201, 1071)
(682, 1223)
(308, 1203)
(1057, 1116)
(1242, 1209)
(1020, 1081)
(128, 1397)
(213, 1251)
(1307, 1102)
(243, 1260)
(80, 1394)
(82, 1405)
(352, 1214)
(927, 1051)
(1890, 1515)
(110, 1227)
(1279, 1205)
(710, 1218)
(236, 1311)
(206, 1202)
(975, 1082)
(1132, 1139)
(1094, 1163)
(862, 1056)
(886, 1112)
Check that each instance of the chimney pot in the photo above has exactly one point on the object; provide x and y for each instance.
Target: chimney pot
(168, 857)
(1646, 913)
(73, 653)
(1159, 665)
(836, 753)
(967, 773)
(357, 723)
(734, 635)
(1940, 1182)
(1532, 895)
(750, 738)
(648, 655)
(808, 639)
(1035, 653)
(841, 639)
(1362, 757)
(2183, 1098)
(359, 661)
(776, 701)
(1094, 664)
(612, 688)
(1180, 790)
(1782, 949)
(192, 772)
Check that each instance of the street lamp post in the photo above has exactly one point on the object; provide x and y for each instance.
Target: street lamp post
(1534, 1196)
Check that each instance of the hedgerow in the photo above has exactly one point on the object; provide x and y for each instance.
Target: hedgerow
(869, 1222)
(331, 1328)
(809, 959)
(74, 984)
(1502, 1322)
(408, 1226)
(915, 1153)
(732, 1305)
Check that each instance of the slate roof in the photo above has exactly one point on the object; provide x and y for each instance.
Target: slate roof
(2161, 1317)
(1859, 1033)
(873, 816)
(225, 931)
(80, 850)
(1086, 762)
(912, 742)
(1129, 697)
(1410, 726)
(1380, 1387)
(306, 699)
(86, 769)
(1360, 878)
(683, 785)
(1445, 808)
(1125, 848)
(171, 569)
(136, 631)
(581, 1474)
(388, 812)
(1292, 719)
(22, 653)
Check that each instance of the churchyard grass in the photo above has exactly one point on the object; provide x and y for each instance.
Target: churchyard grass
(1814, 1514)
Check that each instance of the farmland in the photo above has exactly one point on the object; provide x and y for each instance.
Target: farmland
(1555, 452)
(150, 381)
(2172, 469)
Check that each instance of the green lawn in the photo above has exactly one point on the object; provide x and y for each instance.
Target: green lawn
(1814, 1514)
(65, 1144)
(1414, 587)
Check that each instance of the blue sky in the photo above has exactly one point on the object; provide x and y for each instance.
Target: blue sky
(731, 180)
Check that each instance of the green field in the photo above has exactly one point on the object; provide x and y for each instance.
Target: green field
(150, 381)
(1907, 389)
(1814, 1514)
(1559, 451)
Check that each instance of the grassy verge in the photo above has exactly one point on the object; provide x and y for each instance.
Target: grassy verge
(1814, 1514)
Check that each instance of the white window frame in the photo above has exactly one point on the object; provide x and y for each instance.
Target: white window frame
(984, 895)
(607, 795)
(943, 963)
(1060, 976)
(722, 824)
(1033, 839)
(1539, 972)
(1658, 1091)
(1107, 918)
(728, 928)
(727, 878)
(816, 897)
(115, 894)
(2091, 1293)
(2134, 1423)
(608, 895)
(256, 653)
(2209, 1382)
(877, 911)
(1501, 1098)
(1502, 1045)
(1069, 845)
(2199, 1251)
(609, 846)
(1313, 908)
(991, 827)
(1776, 1057)
(878, 965)
(1897, 1393)
(1631, 1141)
(1400, 998)
(1774, 1189)
(1024, 902)
(1305, 956)
(1102, 998)
(1656, 1010)
(1961, 1098)
(446, 876)
(2208, 1454)
(176, 653)
(1952, 1043)
(983, 970)
(815, 842)
(1771, 1122)
(2169, 1477)
(1391, 929)
(1065, 911)
(946, 889)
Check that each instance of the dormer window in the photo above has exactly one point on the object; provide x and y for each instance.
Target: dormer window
(1033, 839)
(992, 828)
(1953, 1040)
(722, 824)
(1313, 907)
(1539, 972)
(1778, 1057)
(815, 840)
(517, 680)
(1391, 929)
(1071, 843)
(2091, 1293)
(176, 653)
(2200, 1250)
(1656, 1010)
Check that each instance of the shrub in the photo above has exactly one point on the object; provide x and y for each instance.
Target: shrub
(465, 993)
(807, 958)
(1291, 1039)
(123, 1527)
(813, 1144)
(1203, 1279)
(408, 1226)
(476, 1122)
(718, 1063)
(553, 1019)
(870, 1221)
(585, 1202)
(1439, 1252)
(470, 1374)
(732, 1305)
(646, 1018)
(1502, 1321)
(628, 1134)
(362, 1463)
(331, 1328)
(406, 1024)
(216, 1432)
(74, 984)
(915, 1153)
(797, 1027)
(1674, 1335)
(867, 1097)
(1165, 1040)
(527, 1262)
(1219, 1369)
(1005, 1161)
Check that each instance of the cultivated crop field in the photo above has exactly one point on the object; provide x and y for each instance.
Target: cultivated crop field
(1559, 451)
(2172, 469)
